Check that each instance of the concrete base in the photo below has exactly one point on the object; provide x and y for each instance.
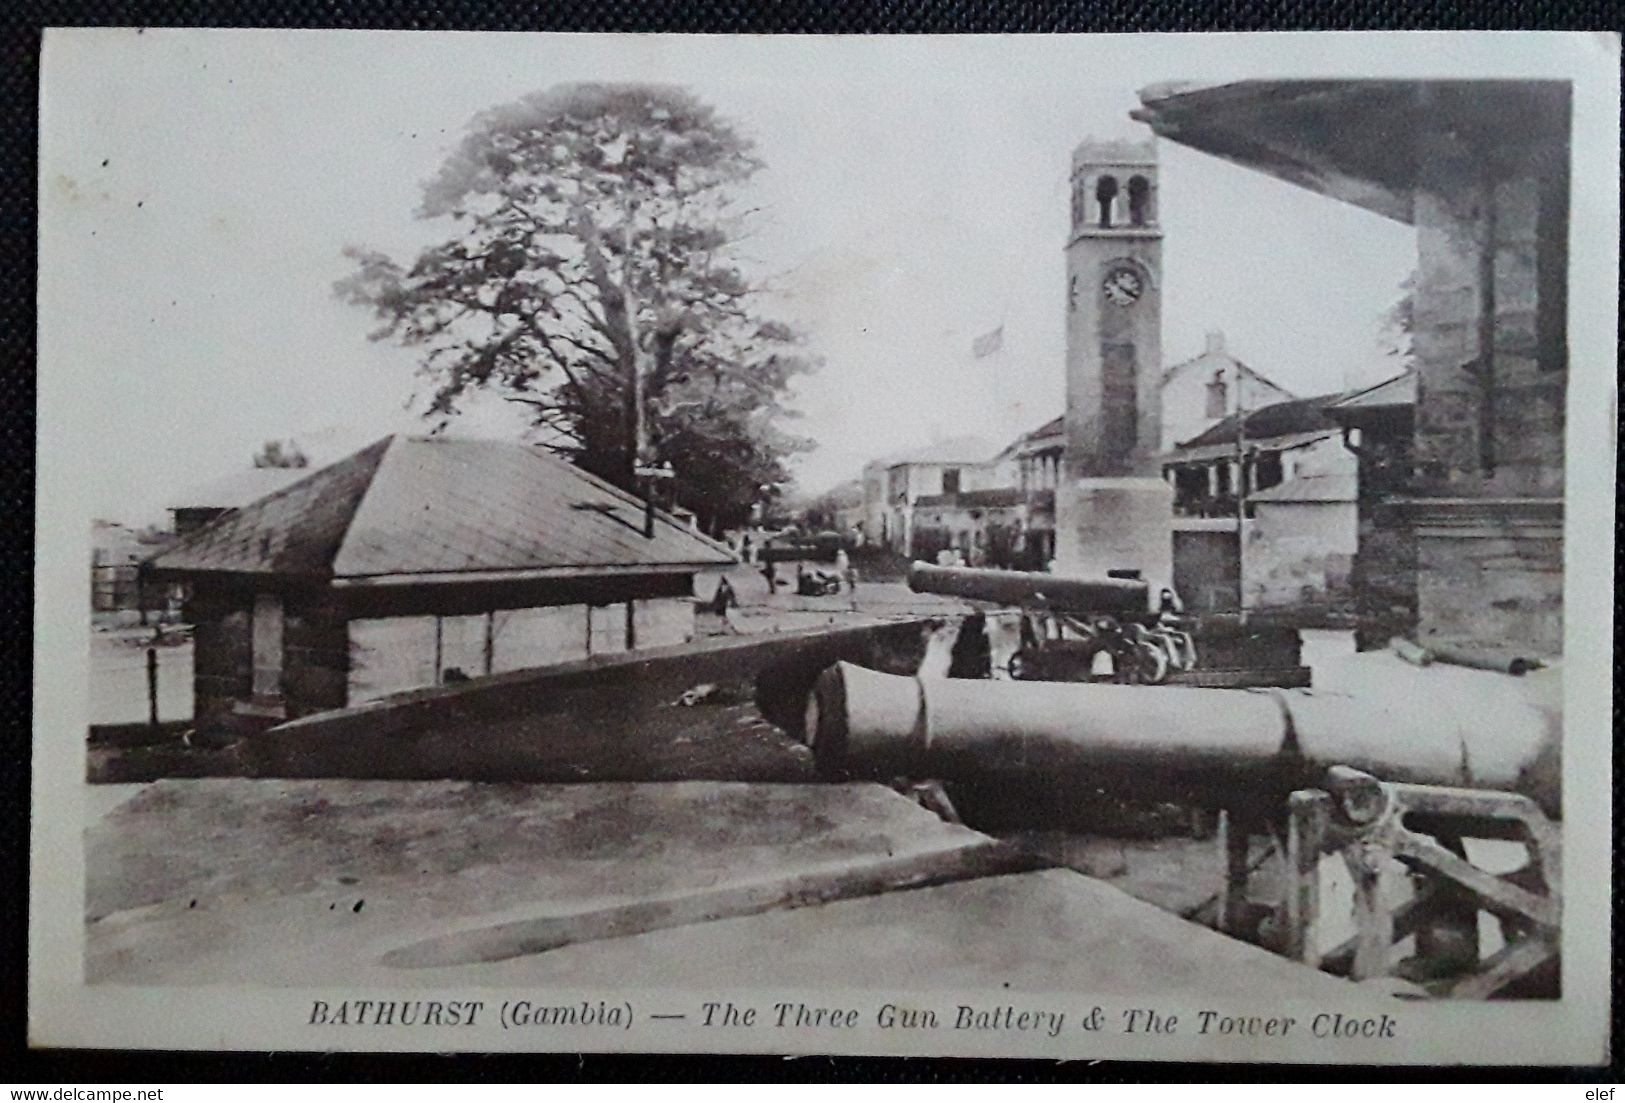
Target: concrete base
(307, 883)
(1115, 524)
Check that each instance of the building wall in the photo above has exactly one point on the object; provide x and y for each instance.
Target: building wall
(1205, 568)
(984, 536)
(876, 505)
(995, 474)
(315, 659)
(315, 653)
(1384, 576)
(222, 651)
(393, 654)
(908, 482)
(1186, 412)
(344, 648)
(1300, 554)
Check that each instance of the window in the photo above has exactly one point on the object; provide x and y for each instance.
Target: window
(1218, 397)
(1267, 471)
(1139, 200)
(950, 480)
(1105, 195)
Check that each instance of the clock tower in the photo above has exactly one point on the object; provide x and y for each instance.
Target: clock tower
(1114, 511)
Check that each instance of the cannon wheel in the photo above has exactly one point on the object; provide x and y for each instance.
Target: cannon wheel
(1020, 666)
(1147, 664)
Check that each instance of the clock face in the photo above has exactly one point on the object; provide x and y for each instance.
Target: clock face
(1123, 286)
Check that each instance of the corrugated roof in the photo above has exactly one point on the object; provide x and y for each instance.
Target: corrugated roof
(1054, 427)
(409, 506)
(1299, 415)
(1398, 391)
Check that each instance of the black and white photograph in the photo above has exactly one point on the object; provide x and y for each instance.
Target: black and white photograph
(995, 546)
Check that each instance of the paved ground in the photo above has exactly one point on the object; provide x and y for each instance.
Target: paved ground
(760, 610)
(301, 883)
(118, 678)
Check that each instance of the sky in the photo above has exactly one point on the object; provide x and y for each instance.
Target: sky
(198, 188)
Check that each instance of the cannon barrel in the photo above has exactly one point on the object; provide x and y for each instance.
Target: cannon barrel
(1094, 595)
(1173, 743)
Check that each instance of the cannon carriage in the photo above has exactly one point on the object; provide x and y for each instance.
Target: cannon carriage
(1392, 783)
(1058, 628)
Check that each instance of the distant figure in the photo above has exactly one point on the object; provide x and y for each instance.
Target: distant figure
(724, 599)
(772, 578)
(747, 551)
(849, 576)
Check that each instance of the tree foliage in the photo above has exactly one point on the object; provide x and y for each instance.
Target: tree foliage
(1398, 322)
(276, 453)
(594, 276)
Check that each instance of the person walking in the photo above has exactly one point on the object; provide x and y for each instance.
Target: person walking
(848, 575)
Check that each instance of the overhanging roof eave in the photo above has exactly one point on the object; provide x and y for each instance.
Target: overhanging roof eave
(1249, 123)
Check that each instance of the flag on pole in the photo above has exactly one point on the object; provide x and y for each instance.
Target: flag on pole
(988, 343)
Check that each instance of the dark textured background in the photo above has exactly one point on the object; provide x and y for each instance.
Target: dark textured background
(19, 76)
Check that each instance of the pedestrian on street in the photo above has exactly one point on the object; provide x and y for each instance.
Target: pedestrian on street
(725, 598)
(848, 575)
(772, 578)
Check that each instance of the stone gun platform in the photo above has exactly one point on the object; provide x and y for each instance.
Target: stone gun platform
(314, 882)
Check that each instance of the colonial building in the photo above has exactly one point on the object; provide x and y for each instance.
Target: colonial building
(418, 561)
(893, 484)
(1198, 392)
(1481, 170)
(1286, 466)
(1003, 511)
(1039, 457)
(116, 585)
(987, 528)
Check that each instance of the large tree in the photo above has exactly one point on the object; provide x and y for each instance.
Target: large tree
(276, 453)
(1397, 326)
(593, 274)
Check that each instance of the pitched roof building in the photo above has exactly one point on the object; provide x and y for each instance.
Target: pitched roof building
(1214, 384)
(417, 560)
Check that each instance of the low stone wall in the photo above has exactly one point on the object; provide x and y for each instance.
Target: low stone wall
(611, 717)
